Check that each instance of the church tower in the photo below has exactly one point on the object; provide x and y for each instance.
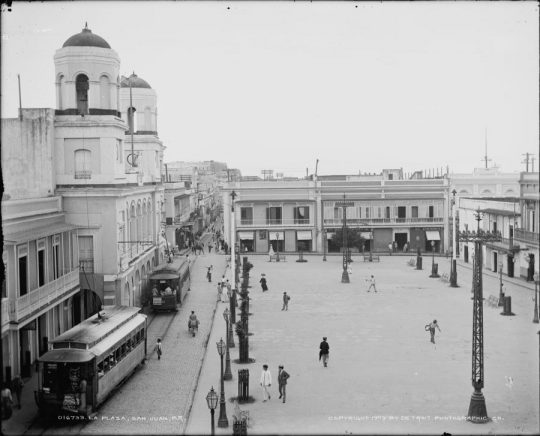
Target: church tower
(89, 129)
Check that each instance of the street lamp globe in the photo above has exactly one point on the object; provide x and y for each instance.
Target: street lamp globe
(221, 347)
(212, 399)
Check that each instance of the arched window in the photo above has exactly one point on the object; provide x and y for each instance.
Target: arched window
(148, 119)
(61, 91)
(83, 160)
(81, 86)
(105, 92)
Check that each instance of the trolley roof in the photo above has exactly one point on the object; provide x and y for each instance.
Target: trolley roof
(93, 330)
(176, 267)
(164, 276)
(67, 355)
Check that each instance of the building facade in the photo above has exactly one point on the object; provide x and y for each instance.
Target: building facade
(41, 293)
(299, 215)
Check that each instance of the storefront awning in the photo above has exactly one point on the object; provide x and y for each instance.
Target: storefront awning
(245, 235)
(303, 235)
(432, 235)
(276, 235)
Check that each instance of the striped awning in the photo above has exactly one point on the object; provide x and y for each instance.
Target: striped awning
(245, 235)
(432, 235)
(303, 235)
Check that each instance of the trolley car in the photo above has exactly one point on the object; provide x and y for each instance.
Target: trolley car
(85, 363)
(169, 284)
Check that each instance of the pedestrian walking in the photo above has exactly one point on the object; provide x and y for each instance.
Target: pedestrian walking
(286, 299)
(193, 323)
(395, 247)
(282, 382)
(17, 387)
(229, 287)
(324, 351)
(159, 351)
(266, 382)
(371, 283)
(209, 273)
(224, 296)
(431, 328)
(262, 281)
(390, 246)
(7, 402)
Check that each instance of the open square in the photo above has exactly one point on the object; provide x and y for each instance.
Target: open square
(384, 375)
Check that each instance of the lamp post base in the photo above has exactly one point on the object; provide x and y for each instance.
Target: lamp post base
(345, 277)
(418, 262)
(477, 409)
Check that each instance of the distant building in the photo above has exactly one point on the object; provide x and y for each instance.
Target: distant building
(294, 215)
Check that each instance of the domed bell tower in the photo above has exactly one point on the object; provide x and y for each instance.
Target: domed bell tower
(89, 129)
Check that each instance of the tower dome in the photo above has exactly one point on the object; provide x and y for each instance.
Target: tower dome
(86, 39)
(136, 82)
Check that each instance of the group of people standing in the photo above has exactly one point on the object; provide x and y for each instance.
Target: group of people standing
(7, 397)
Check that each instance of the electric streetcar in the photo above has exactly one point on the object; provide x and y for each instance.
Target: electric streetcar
(85, 363)
(169, 284)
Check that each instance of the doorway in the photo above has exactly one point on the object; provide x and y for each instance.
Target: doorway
(401, 239)
(530, 269)
(495, 263)
(466, 253)
(510, 265)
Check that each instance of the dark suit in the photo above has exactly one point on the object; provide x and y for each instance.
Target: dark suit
(282, 383)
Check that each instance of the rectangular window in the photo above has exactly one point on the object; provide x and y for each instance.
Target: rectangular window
(86, 253)
(401, 212)
(301, 215)
(414, 211)
(387, 212)
(273, 215)
(41, 267)
(494, 226)
(431, 211)
(23, 275)
(56, 257)
(367, 212)
(246, 215)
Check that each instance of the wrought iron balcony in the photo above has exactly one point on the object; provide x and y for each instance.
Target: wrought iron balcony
(380, 221)
(43, 296)
(527, 236)
(276, 222)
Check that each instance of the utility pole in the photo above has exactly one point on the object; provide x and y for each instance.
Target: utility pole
(526, 161)
(486, 160)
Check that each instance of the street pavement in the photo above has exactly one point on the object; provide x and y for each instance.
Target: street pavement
(384, 375)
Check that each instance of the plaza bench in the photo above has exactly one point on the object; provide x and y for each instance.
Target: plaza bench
(374, 258)
(444, 277)
(493, 301)
(282, 258)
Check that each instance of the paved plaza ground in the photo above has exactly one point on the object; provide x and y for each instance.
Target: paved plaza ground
(384, 375)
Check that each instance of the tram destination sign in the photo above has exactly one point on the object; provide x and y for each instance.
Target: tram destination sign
(344, 204)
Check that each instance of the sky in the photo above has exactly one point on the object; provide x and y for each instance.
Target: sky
(359, 86)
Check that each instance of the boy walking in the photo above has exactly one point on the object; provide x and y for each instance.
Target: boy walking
(324, 351)
(372, 283)
(286, 299)
(432, 330)
(158, 349)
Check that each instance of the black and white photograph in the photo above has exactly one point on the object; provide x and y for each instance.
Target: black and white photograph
(270, 218)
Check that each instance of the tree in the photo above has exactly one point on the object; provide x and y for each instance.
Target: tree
(354, 238)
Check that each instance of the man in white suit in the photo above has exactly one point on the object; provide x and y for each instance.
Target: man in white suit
(266, 381)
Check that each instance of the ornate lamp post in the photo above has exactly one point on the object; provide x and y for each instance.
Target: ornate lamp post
(501, 293)
(277, 247)
(344, 204)
(477, 407)
(212, 400)
(233, 241)
(433, 269)
(228, 374)
(535, 318)
(418, 254)
(223, 422)
(453, 270)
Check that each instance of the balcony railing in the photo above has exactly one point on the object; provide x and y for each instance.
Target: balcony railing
(379, 221)
(526, 236)
(275, 222)
(83, 174)
(43, 296)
